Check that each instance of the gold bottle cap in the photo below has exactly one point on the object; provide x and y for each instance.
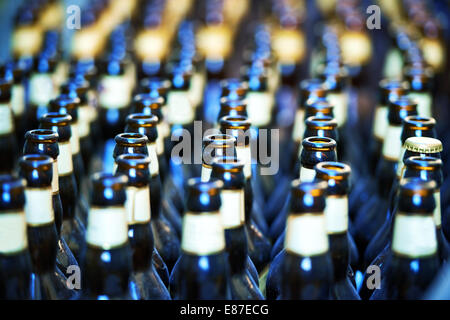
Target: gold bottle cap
(423, 145)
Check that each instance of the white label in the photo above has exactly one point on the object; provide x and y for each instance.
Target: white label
(18, 99)
(13, 232)
(307, 175)
(380, 123)
(159, 144)
(55, 178)
(60, 73)
(75, 139)
(6, 119)
(196, 89)
(400, 165)
(259, 107)
(232, 209)
(65, 164)
(107, 227)
(336, 214)
(423, 100)
(393, 66)
(84, 121)
(299, 126)
(39, 206)
(114, 92)
(392, 145)
(339, 101)
(306, 234)
(180, 109)
(138, 205)
(163, 128)
(154, 165)
(202, 234)
(41, 88)
(414, 235)
(206, 173)
(244, 154)
(437, 210)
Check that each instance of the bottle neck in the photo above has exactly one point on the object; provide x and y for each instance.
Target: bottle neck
(380, 123)
(55, 177)
(39, 206)
(336, 214)
(299, 126)
(13, 232)
(154, 162)
(6, 120)
(75, 138)
(137, 205)
(202, 234)
(306, 234)
(414, 235)
(65, 162)
(232, 209)
(206, 172)
(424, 102)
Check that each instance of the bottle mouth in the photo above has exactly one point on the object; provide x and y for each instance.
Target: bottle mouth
(42, 136)
(219, 140)
(155, 83)
(56, 119)
(332, 170)
(419, 122)
(319, 144)
(142, 120)
(227, 164)
(35, 161)
(423, 163)
(104, 180)
(145, 100)
(131, 139)
(133, 160)
(321, 122)
(235, 122)
(233, 104)
(211, 187)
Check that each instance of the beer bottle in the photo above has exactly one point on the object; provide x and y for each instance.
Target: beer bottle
(202, 271)
(15, 261)
(107, 257)
(413, 260)
(145, 282)
(243, 284)
(72, 229)
(49, 282)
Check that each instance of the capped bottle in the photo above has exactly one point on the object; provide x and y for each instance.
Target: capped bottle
(49, 282)
(15, 261)
(107, 257)
(145, 282)
(202, 271)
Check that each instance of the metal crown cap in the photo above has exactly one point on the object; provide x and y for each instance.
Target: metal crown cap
(423, 145)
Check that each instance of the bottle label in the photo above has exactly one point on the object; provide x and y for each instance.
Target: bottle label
(75, 139)
(202, 234)
(299, 126)
(259, 107)
(336, 214)
(437, 210)
(306, 234)
(41, 89)
(196, 89)
(340, 103)
(414, 235)
(18, 99)
(84, 121)
(55, 178)
(107, 227)
(154, 165)
(400, 164)
(163, 128)
(380, 123)
(65, 164)
(307, 175)
(392, 145)
(245, 155)
(393, 66)
(159, 142)
(206, 173)
(60, 74)
(6, 120)
(114, 92)
(13, 232)
(424, 103)
(180, 109)
(232, 208)
(39, 206)
(138, 205)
